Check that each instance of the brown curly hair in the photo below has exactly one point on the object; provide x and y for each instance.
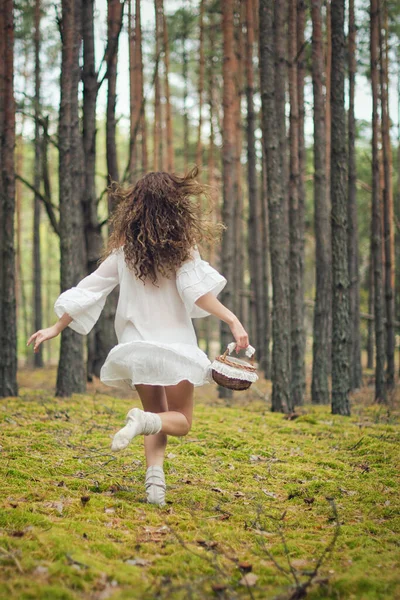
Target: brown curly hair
(158, 220)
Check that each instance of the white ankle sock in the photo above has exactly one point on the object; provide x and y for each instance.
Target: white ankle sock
(139, 422)
(155, 485)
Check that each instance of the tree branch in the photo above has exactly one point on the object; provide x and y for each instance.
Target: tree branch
(50, 207)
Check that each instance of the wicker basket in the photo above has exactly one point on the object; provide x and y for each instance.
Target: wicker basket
(234, 373)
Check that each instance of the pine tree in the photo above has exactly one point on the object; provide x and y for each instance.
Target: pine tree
(340, 275)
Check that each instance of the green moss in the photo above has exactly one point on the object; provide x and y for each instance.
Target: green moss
(239, 466)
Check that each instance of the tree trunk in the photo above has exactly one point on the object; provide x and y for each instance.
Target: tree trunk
(143, 131)
(242, 300)
(114, 17)
(371, 304)
(322, 223)
(168, 112)
(278, 211)
(157, 135)
(102, 338)
(301, 73)
(353, 258)
(200, 87)
(37, 267)
(8, 324)
(296, 221)
(254, 235)
(280, 75)
(340, 275)
(71, 372)
(388, 216)
(380, 390)
(185, 77)
(228, 170)
(397, 213)
(265, 362)
(134, 96)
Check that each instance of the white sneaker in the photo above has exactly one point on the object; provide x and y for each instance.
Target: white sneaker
(155, 485)
(137, 422)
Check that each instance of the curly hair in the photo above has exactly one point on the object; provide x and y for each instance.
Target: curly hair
(158, 220)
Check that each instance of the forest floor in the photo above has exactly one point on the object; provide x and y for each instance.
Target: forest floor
(251, 500)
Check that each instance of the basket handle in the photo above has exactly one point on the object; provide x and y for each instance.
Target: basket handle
(249, 351)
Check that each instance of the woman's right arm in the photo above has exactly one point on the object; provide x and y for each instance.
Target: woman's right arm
(212, 305)
(50, 332)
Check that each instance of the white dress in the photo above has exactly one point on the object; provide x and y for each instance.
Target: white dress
(157, 343)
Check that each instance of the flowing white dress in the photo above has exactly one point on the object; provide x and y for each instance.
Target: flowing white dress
(157, 343)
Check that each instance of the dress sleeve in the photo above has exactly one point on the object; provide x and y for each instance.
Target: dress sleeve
(195, 278)
(85, 302)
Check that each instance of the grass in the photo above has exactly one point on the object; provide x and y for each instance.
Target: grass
(74, 523)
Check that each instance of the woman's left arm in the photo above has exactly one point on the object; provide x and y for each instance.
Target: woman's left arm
(50, 332)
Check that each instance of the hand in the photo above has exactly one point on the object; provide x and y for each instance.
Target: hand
(240, 335)
(42, 335)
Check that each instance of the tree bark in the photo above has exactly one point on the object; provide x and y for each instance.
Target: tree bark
(371, 304)
(278, 210)
(380, 389)
(265, 362)
(200, 86)
(8, 324)
(102, 338)
(114, 17)
(134, 96)
(280, 76)
(140, 86)
(71, 372)
(353, 258)
(296, 222)
(340, 275)
(254, 236)
(387, 193)
(242, 300)
(168, 110)
(37, 266)
(228, 171)
(301, 73)
(157, 128)
(322, 223)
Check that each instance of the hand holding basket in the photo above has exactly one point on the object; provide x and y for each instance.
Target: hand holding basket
(234, 373)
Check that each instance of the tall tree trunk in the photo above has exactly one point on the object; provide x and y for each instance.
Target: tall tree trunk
(157, 128)
(211, 324)
(340, 275)
(185, 77)
(380, 390)
(134, 95)
(322, 223)
(296, 218)
(301, 73)
(168, 111)
(371, 304)
(278, 211)
(254, 235)
(114, 17)
(242, 304)
(228, 170)
(265, 361)
(328, 76)
(37, 267)
(397, 213)
(353, 258)
(71, 372)
(102, 337)
(280, 75)
(200, 87)
(388, 215)
(143, 131)
(8, 324)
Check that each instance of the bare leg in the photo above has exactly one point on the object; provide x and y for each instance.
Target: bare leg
(154, 400)
(177, 420)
